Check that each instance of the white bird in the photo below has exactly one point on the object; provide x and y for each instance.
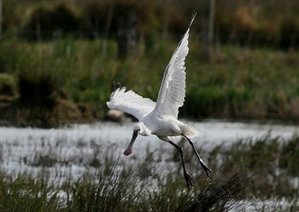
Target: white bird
(160, 118)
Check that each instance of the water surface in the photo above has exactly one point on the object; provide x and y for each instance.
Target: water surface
(70, 151)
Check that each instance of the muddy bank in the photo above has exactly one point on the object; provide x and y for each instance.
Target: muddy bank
(64, 111)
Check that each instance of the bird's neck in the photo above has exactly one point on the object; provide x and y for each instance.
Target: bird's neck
(144, 130)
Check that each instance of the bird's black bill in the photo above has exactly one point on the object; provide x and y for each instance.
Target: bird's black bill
(128, 151)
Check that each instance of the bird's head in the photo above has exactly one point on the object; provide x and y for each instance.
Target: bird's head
(142, 129)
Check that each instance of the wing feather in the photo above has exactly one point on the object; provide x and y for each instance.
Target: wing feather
(173, 87)
(130, 102)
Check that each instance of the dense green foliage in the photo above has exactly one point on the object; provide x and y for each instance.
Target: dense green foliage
(78, 57)
(254, 23)
(237, 83)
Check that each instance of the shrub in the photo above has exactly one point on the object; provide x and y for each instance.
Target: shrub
(50, 23)
(289, 33)
(36, 90)
(8, 85)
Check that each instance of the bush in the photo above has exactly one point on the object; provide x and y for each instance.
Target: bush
(289, 33)
(36, 90)
(207, 101)
(8, 85)
(50, 23)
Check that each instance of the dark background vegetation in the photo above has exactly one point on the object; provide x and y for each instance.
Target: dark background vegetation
(61, 56)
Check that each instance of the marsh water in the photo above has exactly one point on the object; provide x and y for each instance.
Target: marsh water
(70, 152)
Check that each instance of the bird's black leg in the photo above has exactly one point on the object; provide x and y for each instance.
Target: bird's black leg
(187, 176)
(203, 165)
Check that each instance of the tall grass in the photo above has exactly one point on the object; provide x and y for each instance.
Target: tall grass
(27, 194)
(268, 161)
(250, 173)
(116, 189)
(237, 83)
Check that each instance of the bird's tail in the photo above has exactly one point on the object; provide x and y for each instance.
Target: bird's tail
(188, 131)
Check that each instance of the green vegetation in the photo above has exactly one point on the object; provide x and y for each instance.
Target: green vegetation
(237, 83)
(240, 22)
(266, 160)
(8, 86)
(252, 73)
(58, 59)
(259, 170)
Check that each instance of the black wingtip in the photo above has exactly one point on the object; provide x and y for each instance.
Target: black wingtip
(115, 86)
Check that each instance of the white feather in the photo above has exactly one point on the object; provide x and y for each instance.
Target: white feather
(173, 87)
(161, 119)
(130, 102)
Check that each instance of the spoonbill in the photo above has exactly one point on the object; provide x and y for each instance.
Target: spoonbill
(161, 118)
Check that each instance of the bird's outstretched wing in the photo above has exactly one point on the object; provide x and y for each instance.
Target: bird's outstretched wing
(172, 91)
(130, 102)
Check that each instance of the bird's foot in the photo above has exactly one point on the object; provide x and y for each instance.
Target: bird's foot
(206, 169)
(189, 180)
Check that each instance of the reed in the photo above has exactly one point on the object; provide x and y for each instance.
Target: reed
(251, 173)
(238, 82)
